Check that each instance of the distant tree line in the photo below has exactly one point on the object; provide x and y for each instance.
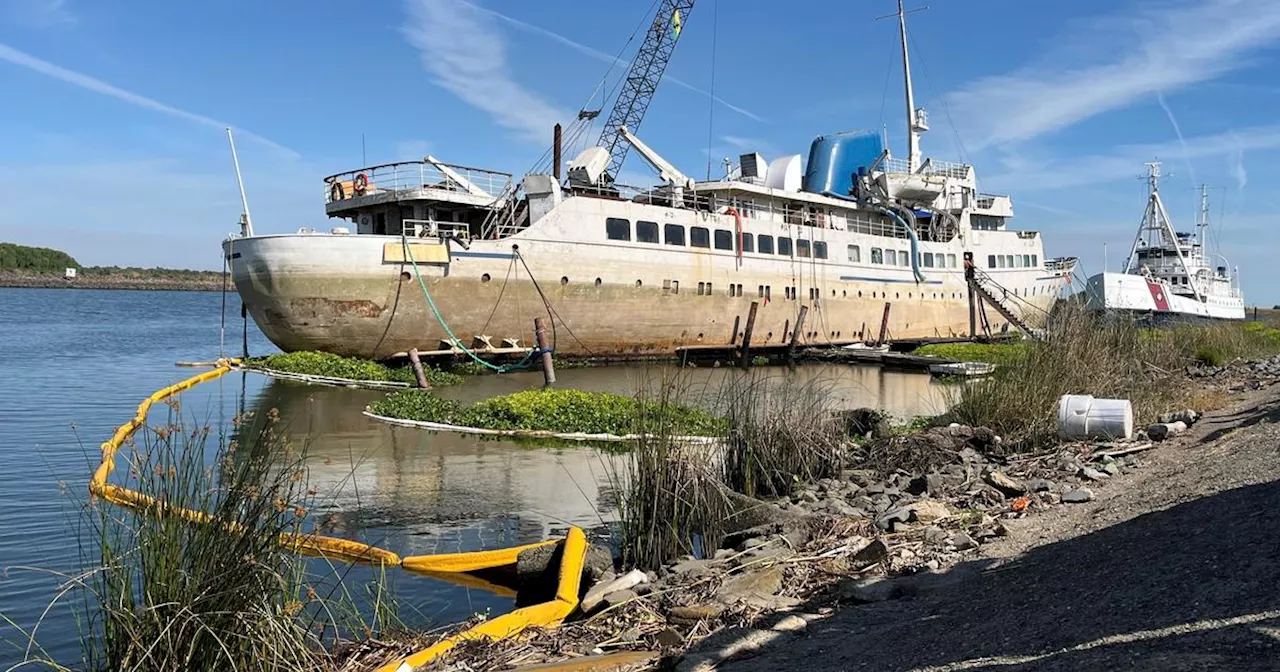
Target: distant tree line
(44, 260)
(34, 259)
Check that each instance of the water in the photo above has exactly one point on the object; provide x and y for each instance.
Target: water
(75, 363)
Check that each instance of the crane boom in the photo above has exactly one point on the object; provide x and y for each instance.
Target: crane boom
(642, 79)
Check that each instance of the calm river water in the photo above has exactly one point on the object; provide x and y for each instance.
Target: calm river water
(75, 363)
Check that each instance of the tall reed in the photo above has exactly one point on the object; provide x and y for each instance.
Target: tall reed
(170, 594)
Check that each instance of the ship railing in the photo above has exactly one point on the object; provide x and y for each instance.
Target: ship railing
(423, 228)
(930, 167)
(411, 176)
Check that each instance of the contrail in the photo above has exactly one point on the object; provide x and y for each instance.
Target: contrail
(1186, 152)
(601, 56)
(25, 60)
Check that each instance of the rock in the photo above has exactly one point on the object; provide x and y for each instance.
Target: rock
(1187, 417)
(861, 477)
(890, 520)
(1163, 430)
(929, 510)
(962, 542)
(1039, 485)
(1077, 496)
(619, 597)
(754, 542)
(693, 567)
(790, 623)
(806, 497)
(751, 587)
(690, 615)
(1092, 474)
(840, 507)
(538, 569)
(876, 551)
(670, 638)
(797, 532)
(756, 555)
(869, 590)
(1111, 469)
(935, 535)
(917, 486)
(1007, 486)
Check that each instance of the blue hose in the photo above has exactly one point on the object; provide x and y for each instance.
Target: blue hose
(911, 233)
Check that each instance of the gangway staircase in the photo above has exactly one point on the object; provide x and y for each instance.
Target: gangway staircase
(981, 293)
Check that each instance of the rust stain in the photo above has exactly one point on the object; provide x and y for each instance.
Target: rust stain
(322, 308)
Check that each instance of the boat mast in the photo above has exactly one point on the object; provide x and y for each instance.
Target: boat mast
(916, 121)
(246, 221)
(1202, 224)
(1156, 220)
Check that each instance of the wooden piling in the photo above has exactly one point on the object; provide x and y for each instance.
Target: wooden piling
(746, 334)
(884, 324)
(417, 369)
(973, 307)
(733, 337)
(795, 335)
(540, 337)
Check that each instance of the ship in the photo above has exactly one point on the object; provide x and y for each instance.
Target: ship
(1169, 275)
(436, 256)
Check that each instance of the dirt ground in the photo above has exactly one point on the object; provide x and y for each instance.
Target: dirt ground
(1174, 566)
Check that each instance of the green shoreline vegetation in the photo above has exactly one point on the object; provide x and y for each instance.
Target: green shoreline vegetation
(328, 365)
(554, 410)
(24, 266)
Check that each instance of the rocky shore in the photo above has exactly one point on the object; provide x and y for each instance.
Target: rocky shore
(195, 282)
(862, 538)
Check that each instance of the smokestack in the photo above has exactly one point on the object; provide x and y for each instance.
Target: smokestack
(555, 154)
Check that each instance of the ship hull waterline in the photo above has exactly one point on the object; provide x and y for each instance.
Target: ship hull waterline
(339, 294)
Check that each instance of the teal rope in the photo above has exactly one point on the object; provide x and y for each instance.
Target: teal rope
(522, 364)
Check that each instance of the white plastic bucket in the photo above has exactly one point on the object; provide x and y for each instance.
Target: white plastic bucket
(1081, 416)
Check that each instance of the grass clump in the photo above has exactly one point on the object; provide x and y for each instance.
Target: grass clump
(336, 366)
(1108, 358)
(1000, 354)
(554, 410)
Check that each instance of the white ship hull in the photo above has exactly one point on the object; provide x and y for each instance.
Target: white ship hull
(1138, 294)
(356, 294)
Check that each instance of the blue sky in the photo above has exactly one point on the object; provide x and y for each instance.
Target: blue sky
(111, 141)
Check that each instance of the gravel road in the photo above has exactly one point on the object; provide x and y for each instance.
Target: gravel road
(1174, 566)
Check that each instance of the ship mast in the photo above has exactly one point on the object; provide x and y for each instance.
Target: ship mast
(917, 122)
(1202, 224)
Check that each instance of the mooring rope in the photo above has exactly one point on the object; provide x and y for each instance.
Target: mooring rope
(505, 368)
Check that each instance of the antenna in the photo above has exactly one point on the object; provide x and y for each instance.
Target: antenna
(246, 222)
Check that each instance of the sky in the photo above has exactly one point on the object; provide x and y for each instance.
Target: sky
(113, 148)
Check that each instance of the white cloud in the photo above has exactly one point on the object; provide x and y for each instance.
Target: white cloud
(607, 58)
(1031, 173)
(25, 60)
(1236, 165)
(467, 56)
(37, 13)
(1163, 48)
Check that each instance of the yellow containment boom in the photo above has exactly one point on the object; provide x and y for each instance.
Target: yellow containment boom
(451, 567)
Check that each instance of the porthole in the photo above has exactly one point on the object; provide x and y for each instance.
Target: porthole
(484, 278)
(699, 336)
(599, 282)
(768, 336)
(404, 275)
(638, 283)
(859, 293)
(564, 280)
(844, 294)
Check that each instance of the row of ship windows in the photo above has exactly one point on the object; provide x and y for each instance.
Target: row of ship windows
(1012, 261)
(673, 234)
(790, 293)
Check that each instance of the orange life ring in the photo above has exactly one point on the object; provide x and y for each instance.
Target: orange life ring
(336, 192)
(360, 183)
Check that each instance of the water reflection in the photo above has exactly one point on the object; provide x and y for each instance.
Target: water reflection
(417, 492)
